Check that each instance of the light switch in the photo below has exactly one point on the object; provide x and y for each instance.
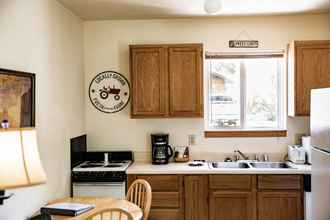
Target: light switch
(191, 139)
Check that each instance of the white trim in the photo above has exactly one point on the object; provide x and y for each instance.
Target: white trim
(284, 94)
(242, 95)
(281, 112)
(245, 53)
(247, 129)
(207, 70)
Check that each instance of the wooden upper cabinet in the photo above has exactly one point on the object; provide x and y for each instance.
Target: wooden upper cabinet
(308, 68)
(149, 81)
(186, 84)
(167, 80)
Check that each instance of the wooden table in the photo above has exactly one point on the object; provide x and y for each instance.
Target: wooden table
(100, 203)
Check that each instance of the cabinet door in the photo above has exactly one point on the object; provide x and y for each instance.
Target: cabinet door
(186, 80)
(196, 193)
(280, 206)
(312, 71)
(226, 205)
(167, 196)
(149, 81)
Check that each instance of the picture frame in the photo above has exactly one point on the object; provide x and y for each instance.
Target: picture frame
(17, 99)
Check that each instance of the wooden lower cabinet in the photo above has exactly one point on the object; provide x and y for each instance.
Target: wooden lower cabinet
(196, 197)
(232, 205)
(165, 214)
(167, 196)
(225, 197)
(165, 200)
(280, 206)
(280, 197)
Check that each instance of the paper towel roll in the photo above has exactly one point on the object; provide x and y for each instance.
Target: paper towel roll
(306, 143)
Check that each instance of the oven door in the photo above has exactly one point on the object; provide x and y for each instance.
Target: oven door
(100, 189)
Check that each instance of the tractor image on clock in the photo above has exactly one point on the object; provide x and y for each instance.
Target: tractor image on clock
(104, 92)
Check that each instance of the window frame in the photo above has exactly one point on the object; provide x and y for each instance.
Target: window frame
(281, 130)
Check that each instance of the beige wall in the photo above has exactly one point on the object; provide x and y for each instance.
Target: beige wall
(42, 37)
(106, 48)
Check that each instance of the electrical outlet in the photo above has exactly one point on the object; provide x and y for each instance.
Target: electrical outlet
(191, 139)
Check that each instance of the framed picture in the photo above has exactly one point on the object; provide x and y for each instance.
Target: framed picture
(17, 99)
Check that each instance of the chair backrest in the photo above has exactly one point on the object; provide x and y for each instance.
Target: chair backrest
(111, 214)
(139, 193)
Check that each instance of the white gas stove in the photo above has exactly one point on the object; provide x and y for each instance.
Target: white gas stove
(101, 178)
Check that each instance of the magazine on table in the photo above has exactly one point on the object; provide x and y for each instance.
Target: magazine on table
(69, 209)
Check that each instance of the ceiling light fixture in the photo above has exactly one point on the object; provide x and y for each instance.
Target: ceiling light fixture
(212, 6)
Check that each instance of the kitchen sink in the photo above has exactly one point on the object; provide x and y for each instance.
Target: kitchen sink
(247, 165)
(229, 165)
(271, 165)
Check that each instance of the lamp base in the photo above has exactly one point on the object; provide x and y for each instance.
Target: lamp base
(4, 197)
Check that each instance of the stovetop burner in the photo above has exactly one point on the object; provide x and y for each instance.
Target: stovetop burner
(100, 166)
(94, 162)
(113, 165)
(90, 165)
(101, 163)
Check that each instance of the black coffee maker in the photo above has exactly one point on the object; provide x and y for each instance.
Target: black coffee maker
(161, 151)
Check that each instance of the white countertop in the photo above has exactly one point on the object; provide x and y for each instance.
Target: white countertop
(183, 168)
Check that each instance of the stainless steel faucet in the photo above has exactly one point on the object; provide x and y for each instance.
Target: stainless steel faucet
(241, 154)
(266, 157)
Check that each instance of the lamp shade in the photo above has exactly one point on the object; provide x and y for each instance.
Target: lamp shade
(20, 163)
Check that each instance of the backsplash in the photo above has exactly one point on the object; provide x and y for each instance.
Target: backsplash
(136, 137)
(140, 156)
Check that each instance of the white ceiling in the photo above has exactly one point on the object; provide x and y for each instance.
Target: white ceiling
(148, 9)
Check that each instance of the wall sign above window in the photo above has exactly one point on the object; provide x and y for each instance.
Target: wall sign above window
(109, 92)
(243, 44)
(248, 42)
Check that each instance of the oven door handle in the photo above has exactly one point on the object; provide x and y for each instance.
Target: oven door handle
(99, 184)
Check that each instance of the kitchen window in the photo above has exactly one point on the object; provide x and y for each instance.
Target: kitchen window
(245, 95)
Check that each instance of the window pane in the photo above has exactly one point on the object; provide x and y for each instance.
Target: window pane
(261, 92)
(224, 93)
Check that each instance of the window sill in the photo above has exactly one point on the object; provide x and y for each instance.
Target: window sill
(242, 133)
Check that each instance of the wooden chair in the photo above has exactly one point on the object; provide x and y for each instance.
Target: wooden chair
(139, 193)
(111, 214)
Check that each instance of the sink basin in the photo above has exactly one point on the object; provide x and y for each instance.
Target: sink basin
(229, 165)
(271, 165)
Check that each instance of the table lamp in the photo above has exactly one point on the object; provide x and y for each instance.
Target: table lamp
(20, 164)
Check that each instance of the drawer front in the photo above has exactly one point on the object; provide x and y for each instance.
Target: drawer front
(162, 182)
(164, 214)
(165, 200)
(285, 182)
(243, 182)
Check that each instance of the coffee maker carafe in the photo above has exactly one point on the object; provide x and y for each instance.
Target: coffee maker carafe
(161, 150)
